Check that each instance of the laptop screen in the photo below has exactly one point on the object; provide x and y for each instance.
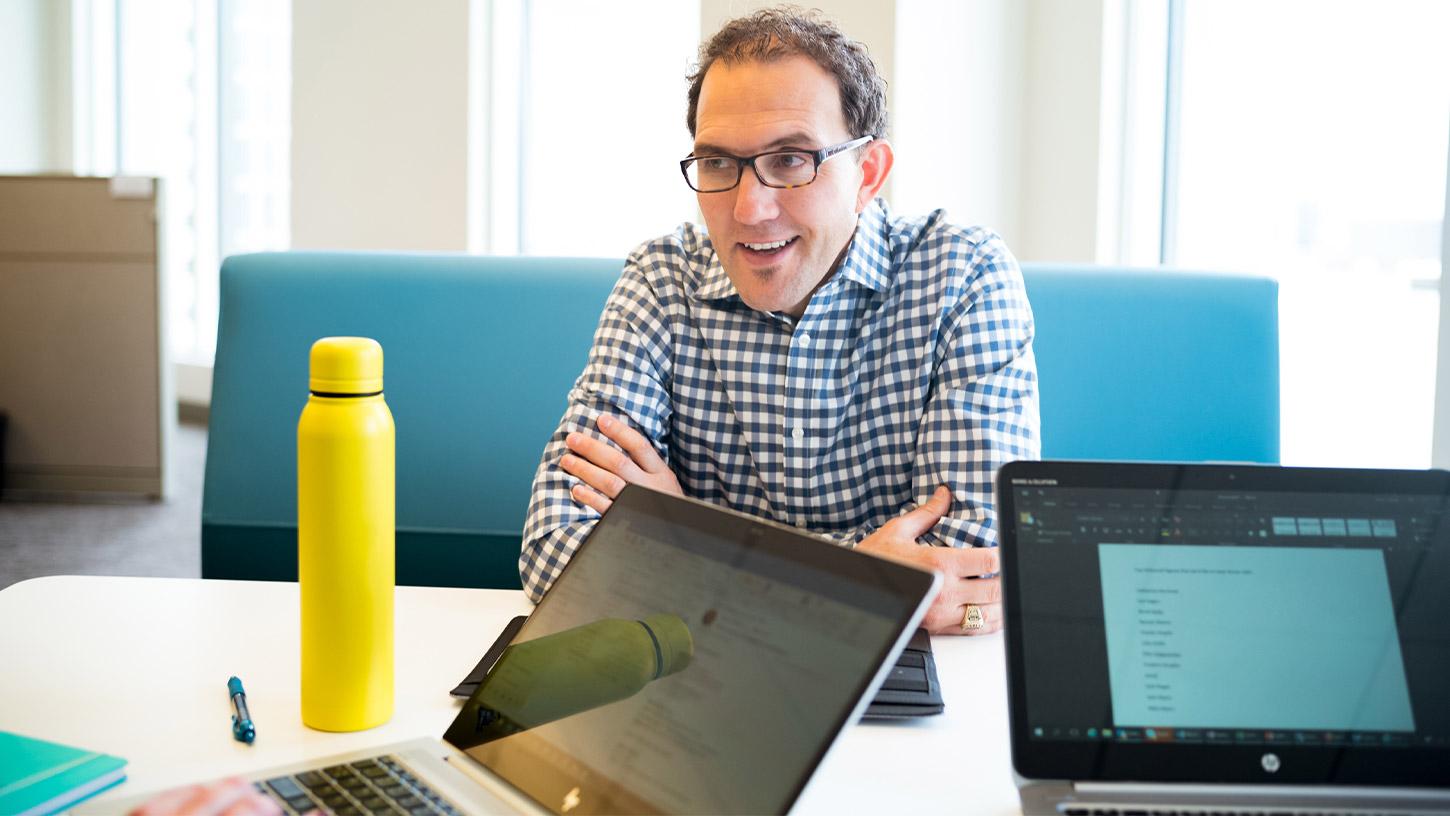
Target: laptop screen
(1163, 614)
(688, 660)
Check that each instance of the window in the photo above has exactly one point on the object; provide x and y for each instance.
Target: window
(586, 160)
(195, 92)
(1308, 144)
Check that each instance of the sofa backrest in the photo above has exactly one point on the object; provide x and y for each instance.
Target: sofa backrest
(480, 353)
(1152, 365)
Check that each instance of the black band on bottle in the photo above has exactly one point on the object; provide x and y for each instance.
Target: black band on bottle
(334, 395)
(659, 655)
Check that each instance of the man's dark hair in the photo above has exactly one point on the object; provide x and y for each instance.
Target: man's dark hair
(777, 33)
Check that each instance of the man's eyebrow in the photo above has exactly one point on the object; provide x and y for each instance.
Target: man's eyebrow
(795, 140)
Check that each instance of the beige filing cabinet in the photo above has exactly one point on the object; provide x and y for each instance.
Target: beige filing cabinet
(81, 338)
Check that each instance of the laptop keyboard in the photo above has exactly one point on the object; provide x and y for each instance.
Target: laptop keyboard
(380, 785)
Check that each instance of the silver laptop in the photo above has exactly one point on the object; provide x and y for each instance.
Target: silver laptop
(688, 660)
(1226, 639)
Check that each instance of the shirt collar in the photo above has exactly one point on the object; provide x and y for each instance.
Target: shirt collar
(867, 262)
(868, 259)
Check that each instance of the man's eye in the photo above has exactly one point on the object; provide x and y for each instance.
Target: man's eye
(788, 161)
(717, 164)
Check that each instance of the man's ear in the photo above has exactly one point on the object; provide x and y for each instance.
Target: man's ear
(876, 161)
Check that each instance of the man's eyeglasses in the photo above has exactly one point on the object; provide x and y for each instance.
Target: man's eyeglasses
(781, 169)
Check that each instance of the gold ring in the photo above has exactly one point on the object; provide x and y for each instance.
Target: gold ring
(972, 620)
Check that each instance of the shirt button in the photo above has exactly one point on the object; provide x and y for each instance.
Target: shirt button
(798, 434)
(803, 338)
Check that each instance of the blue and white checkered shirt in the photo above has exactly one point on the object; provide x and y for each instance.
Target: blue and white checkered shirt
(912, 367)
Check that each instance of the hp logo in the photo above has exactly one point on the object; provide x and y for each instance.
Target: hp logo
(1270, 762)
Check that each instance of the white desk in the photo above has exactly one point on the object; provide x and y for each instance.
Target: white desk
(137, 667)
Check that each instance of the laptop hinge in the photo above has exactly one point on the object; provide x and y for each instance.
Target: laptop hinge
(1147, 790)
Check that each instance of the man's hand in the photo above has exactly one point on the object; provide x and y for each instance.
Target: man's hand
(605, 471)
(231, 797)
(965, 569)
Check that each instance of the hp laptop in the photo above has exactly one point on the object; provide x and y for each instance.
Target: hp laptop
(688, 660)
(1227, 639)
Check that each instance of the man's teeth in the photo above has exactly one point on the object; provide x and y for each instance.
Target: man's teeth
(769, 246)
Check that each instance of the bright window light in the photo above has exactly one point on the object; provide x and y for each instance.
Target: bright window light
(599, 163)
(197, 93)
(1312, 149)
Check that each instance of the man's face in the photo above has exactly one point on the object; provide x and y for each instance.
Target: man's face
(747, 108)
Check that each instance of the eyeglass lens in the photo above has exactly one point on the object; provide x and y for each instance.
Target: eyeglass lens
(788, 168)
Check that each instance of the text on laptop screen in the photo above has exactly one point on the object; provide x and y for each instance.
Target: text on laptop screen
(1234, 617)
(675, 670)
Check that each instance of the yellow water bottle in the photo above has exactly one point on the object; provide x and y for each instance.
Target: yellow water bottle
(345, 538)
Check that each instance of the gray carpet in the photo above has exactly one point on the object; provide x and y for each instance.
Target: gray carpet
(119, 538)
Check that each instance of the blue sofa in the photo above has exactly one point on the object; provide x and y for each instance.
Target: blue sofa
(480, 353)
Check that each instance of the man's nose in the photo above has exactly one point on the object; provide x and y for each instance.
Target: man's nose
(754, 202)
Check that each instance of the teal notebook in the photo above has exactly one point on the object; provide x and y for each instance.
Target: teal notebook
(39, 777)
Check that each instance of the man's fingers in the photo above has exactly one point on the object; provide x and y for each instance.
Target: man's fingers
(634, 443)
(972, 591)
(604, 455)
(589, 497)
(256, 804)
(232, 797)
(916, 523)
(596, 477)
(970, 562)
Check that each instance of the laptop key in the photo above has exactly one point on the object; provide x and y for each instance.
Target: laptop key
(906, 679)
(313, 780)
(301, 804)
(286, 787)
(912, 659)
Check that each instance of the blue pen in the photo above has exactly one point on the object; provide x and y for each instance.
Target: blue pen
(242, 728)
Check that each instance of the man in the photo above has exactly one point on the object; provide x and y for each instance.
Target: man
(810, 358)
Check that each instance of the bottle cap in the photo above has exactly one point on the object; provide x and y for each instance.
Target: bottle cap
(346, 365)
(676, 644)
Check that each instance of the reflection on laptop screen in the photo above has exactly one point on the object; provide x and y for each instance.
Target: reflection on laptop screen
(675, 670)
(1243, 617)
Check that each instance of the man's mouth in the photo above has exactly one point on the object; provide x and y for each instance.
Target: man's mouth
(767, 248)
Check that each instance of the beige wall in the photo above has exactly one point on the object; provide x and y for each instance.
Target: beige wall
(1061, 97)
(380, 125)
(958, 116)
